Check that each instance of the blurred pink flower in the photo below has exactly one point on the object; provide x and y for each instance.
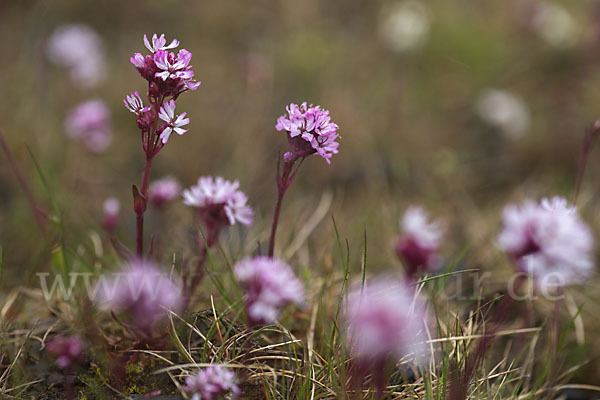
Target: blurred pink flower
(211, 383)
(548, 241)
(111, 207)
(310, 130)
(385, 321)
(90, 123)
(78, 48)
(68, 351)
(142, 291)
(163, 191)
(419, 246)
(270, 285)
(174, 123)
(219, 201)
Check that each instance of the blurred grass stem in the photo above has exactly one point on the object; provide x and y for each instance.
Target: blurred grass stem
(37, 212)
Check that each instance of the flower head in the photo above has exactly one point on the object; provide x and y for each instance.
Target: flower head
(548, 241)
(90, 123)
(68, 351)
(419, 246)
(404, 25)
(143, 292)
(270, 285)
(385, 321)
(78, 48)
(174, 123)
(211, 382)
(111, 207)
(504, 111)
(163, 191)
(219, 201)
(168, 74)
(310, 130)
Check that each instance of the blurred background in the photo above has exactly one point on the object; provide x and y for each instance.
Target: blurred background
(458, 105)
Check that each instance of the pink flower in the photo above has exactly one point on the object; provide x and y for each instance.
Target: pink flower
(133, 102)
(143, 292)
(145, 117)
(159, 43)
(419, 246)
(310, 130)
(68, 351)
(174, 122)
(163, 191)
(90, 123)
(167, 73)
(219, 201)
(385, 321)
(138, 60)
(548, 241)
(112, 207)
(270, 285)
(211, 382)
(78, 48)
(173, 67)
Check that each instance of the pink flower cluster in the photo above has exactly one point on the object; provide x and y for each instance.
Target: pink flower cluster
(78, 48)
(143, 292)
(163, 191)
(90, 123)
(310, 130)
(168, 74)
(270, 285)
(219, 201)
(419, 246)
(212, 383)
(68, 351)
(548, 241)
(385, 321)
(146, 117)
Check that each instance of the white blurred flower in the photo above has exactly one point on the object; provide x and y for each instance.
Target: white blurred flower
(78, 48)
(555, 24)
(548, 240)
(404, 25)
(504, 111)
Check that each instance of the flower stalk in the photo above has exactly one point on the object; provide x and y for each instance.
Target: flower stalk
(310, 131)
(219, 203)
(284, 180)
(168, 75)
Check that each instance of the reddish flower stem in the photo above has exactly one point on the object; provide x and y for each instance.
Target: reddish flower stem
(280, 194)
(284, 181)
(140, 213)
(139, 237)
(146, 176)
